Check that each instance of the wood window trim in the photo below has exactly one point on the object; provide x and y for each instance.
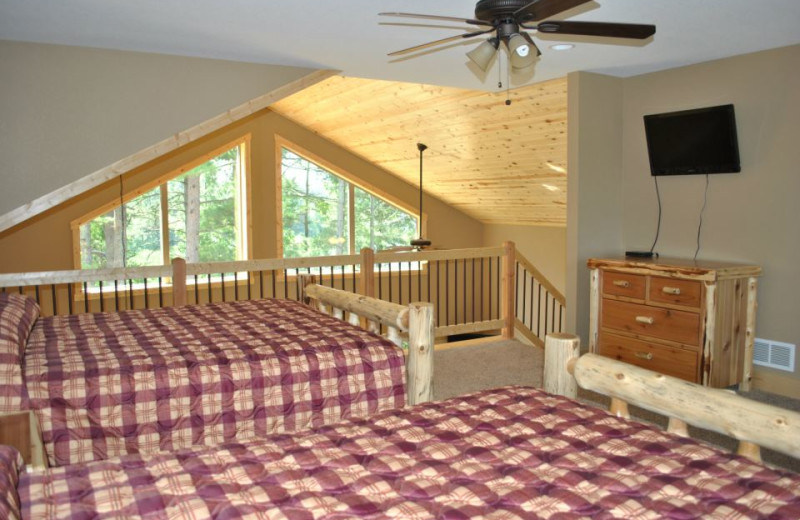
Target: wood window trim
(245, 196)
(281, 142)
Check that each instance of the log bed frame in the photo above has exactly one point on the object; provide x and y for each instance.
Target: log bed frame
(414, 322)
(752, 423)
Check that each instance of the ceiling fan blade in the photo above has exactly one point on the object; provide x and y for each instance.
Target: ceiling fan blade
(439, 42)
(541, 9)
(613, 30)
(530, 42)
(435, 17)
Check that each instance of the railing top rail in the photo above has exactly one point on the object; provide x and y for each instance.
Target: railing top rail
(271, 264)
(444, 254)
(164, 271)
(541, 279)
(83, 275)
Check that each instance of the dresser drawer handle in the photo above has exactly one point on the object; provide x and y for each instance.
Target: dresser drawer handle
(649, 320)
(671, 290)
(645, 355)
(622, 283)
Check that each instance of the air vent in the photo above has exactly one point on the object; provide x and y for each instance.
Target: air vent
(774, 354)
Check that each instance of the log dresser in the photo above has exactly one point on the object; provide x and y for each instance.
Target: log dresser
(689, 319)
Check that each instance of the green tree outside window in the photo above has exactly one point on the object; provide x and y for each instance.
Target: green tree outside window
(316, 213)
(203, 220)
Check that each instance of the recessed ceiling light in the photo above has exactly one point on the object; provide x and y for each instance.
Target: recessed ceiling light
(562, 46)
(555, 167)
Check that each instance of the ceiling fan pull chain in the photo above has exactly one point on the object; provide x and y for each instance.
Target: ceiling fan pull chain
(500, 72)
(508, 86)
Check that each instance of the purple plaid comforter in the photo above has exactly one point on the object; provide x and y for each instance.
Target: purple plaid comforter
(109, 384)
(504, 454)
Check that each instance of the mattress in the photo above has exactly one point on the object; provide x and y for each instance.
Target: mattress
(504, 454)
(109, 384)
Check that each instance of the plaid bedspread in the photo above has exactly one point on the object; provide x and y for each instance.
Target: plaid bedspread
(108, 384)
(505, 454)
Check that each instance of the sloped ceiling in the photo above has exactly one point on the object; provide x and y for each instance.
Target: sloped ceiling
(499, 163)
(348, 35)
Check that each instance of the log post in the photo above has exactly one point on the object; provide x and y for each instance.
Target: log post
(749, 450)
(619, 408)
(303, 281)
(393, 335)
(509, 292)
(750, 335)
(178, 282)
(367, 272)
(594, 308)
(559, 350)
(678, 427)
(710, 327)
(419, 366)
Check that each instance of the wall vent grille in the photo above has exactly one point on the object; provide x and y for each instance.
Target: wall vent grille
(774, 354)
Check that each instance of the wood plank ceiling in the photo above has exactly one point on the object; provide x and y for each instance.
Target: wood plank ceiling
(501, 164)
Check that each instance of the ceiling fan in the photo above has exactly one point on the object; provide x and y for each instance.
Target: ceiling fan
(506, 19)
(416, 244)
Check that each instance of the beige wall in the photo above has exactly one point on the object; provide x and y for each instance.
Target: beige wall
(750, 216)
(66, 112)
(45, 242)
(594, 193)
(544, 246)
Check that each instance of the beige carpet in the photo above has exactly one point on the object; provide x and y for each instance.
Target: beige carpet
(467, 369)
(457, 371)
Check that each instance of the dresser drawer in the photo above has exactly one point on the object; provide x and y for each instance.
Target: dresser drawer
(676, 292)
(624, 284)
(667, 360)
(678, 326)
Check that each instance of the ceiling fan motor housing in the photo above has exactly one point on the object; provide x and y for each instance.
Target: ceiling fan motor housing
(498, 10)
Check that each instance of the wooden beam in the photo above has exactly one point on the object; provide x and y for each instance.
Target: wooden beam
(467, 328)
(178, 282)
(54, 198)
(509, 293)
(368, 272)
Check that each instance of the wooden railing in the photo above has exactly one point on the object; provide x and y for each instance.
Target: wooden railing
(478, 290)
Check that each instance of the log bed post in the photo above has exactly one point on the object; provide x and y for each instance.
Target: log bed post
(178, 282)
(303, 281)
(419, 365)
(560, 350)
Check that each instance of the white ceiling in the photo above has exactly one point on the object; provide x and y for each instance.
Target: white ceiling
(346, 34)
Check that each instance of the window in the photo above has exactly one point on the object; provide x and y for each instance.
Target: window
(199, 214)
(324, 214)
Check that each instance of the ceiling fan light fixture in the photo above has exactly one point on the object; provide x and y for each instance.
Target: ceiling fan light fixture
(482, 55)
(520, 52)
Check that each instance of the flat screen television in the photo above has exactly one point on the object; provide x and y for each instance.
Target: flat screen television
(689, 142)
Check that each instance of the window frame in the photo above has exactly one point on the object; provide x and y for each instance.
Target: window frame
(352, 180)
(242, 199)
